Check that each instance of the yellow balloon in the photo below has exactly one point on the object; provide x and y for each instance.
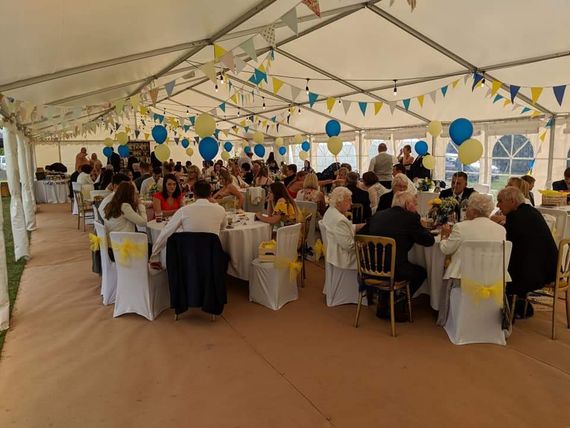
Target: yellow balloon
(298, 139)
(205, 125)
(108, 142)
(429, 162)
(122, 138)
(334, 145)
(279, 141)
(189, 151)
(470, 151)
(304, 155)
(434, 128)
(225, 155)
(162, 152)
(258, 137)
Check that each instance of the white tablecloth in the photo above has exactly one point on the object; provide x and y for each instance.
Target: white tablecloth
(51, 192)
(562, 215)
(241, 243)
(433, 260)
(422, 202)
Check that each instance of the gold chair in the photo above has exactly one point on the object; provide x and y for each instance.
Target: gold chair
(560, 285)
(357, 211)
(84, 209)
(303, 250)
(374, 272)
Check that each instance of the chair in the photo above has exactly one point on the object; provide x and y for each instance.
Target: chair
(376, 272)
(341, 285)
(84, 209)
(139, 290)
(476, 308)
(560, 285)
(309, 207)
(482, 188)
(303, 251)
(273, 284)
(228, 202)
(254, 199)
(108, 267)
(357, 211)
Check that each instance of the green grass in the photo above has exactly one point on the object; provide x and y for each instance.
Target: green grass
(15, 269)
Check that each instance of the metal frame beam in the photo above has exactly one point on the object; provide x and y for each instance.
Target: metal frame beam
(444, 51)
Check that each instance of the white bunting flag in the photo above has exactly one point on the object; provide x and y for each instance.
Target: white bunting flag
(268, 33)
(346, 105)
(294, 93)
(228, 60)
(433, 96)
(240, 64)
(392, 105)
(209, 70)
(290, 20)
(249, 48)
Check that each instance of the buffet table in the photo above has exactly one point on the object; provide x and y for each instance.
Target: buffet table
(51, 191)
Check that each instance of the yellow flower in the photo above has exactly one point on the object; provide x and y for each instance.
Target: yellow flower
(435, 201)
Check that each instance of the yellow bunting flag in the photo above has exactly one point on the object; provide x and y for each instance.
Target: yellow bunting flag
(277, 84)
(421, 100)
(378, 107)
(542, 136)
(219, 51)
(454, 83)
(234, 98)
(330, 103)
(535, 94)
(535, 113)
(506, 102)
(261, 68)
(146, 135)
(143, 110)
(495, 86)
(127, 129)
(242, 123)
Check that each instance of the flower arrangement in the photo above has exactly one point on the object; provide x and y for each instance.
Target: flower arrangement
(424, 184)
(442, 209)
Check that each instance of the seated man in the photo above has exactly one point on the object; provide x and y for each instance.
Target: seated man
(152, 184)
(399, 184)
(291, 172)
(359, 196)
(201, 216)
(534, 255)
(402, 223)
(458, 188)
(563, 184)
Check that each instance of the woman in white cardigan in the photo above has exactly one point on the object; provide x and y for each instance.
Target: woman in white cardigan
(124, 212)
(341, 251)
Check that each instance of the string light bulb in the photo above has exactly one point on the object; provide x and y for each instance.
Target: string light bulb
(483, 80)
(307, 87)
(395, 87)
(299, 110)
(216, 87)
(222, 78)
(263, 98)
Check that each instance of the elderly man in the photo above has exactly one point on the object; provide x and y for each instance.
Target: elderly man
(359, 196)
(402, 223)
(400, 183)
(81, 159)
(534, 256)
(458, 189)
(381, 165)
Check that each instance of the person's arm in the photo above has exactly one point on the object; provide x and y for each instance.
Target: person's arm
(156, 205)
(373, 196)
(234, 191)
(169, 228)
(344, 235)
(132, 215)
(420, 234)
(371, 166)
(451, 244)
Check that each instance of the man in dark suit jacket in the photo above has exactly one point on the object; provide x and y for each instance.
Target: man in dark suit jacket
(458, 188)
(402, 223)
(399, 184)
(534, 255)
(563, 184)
(359, 196)
(114, 160)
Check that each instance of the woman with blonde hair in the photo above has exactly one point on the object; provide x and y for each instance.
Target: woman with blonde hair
(228, 189)
(341, 177)
(193, 175)
(522, 185)
(310, 192)
(237, 179)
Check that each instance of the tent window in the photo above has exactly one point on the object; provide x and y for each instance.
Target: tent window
(373, 148)
(293, 152)
(453, 164)
(325, 158)
(512, 155)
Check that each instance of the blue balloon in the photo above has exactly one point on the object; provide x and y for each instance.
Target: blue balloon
(421, 148)
(306, 146)
(123, 150)
(108, 151)
(259, 150)
(332, 128)
(228, 146)
(460, 130)
(247, 149)
(282, 150)
(185, 143)
(159, 133)
(208, 148)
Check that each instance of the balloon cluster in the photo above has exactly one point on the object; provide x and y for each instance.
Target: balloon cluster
(160, 134)
(206, 127)
(334, 143)
(259, 148)
(470, 150)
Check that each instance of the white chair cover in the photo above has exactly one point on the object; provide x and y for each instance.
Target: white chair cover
(551, 222)
(138, 290)
(475, 316)
(273, 286)
(310, 207)
(76, 188)
(108, 268)
(254, 199)
(99, 193)
(482, 188)
(341, 285)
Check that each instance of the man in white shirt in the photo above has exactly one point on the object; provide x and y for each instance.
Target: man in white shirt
(381, 165)
(201, 216)
(155, 180)
(115, 181)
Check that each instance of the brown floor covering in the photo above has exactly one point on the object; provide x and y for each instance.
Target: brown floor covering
(68, 363)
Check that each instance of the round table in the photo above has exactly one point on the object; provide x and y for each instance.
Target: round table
(433, 260)
(51, 192)
(241, 242)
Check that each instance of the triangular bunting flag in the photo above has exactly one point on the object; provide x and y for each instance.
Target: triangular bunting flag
(176, 140)
(421, 100)
(209, 70)
(559, 93)
(542, 136)
(378, 107)
(392, 106)
(192, 120)
(268, 33)
(346, 105)
(549, 123)
(253, 79)
(119, 105)
(222, 107)
(363, 106)
(135, 101)
(146, 135)
(495, 86)
(234, 98)
(290, 20)
(246, 128)
(169, 87)
(249, 48)
(218, 51)
(497, 98)
(186, 128)
(506, 102)
(466, 78)
(274, 119)
(477, 77)
(260, 75)
(196, 140)
(228, 60)
(330, 103)
(314, 6)
(294, 93)
(313, 98)
(137, 133)
(454, 83)
(535, 113)
(158, 117)
(514, 90)
(406, 103)
(433, 96)
(117, 126)
(444, 90)
(277, 83)
(535, 93)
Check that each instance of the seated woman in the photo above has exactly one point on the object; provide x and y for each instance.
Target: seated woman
(104, 180)
(228, 189)
(193, 175)
(522, 185)
(374, 188)
(262, 179)
(282, 207)
(237, 178)
(310, 192)
(297, 184)
(340, 179)
(84, 178)
(170, 199)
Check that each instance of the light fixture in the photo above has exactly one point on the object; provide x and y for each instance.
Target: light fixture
(222, 78)
(483, 80)
(395, 87)
(299, 110)
(263, 98)
(216, 87)
(307, 87)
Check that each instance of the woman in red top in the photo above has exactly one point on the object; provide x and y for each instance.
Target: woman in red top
(170, 199)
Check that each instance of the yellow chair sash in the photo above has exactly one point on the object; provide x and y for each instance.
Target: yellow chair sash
(319, 249)
(479, 291)
(94, 242)
(128, 250)
(294, 266)
(268, 245)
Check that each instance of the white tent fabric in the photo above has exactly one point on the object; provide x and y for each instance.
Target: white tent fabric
(4, 298)
(28, 198)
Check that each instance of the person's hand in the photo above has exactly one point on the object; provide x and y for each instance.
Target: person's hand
(359, 226)
(446, 231)
(155, 265)
(499, 218)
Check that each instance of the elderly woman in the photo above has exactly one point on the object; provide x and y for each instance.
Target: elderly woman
(311, 193)
(375, 190)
